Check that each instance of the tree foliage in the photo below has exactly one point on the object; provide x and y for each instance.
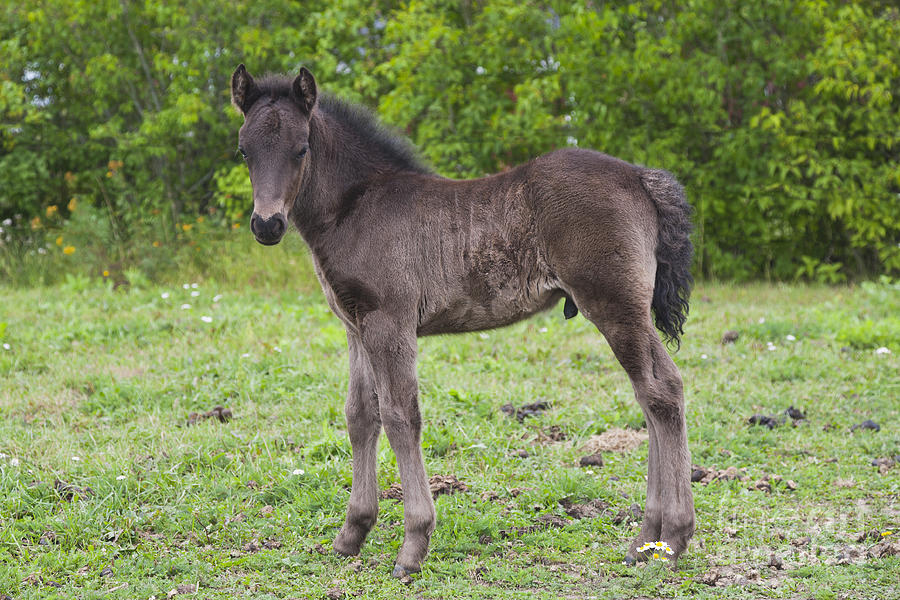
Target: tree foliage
(781, 118)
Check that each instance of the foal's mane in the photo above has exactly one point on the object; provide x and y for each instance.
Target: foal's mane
(396, 148)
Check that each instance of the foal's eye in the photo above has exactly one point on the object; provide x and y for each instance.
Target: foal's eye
(243, 153)
(302, 152)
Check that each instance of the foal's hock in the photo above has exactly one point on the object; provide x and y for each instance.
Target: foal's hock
(402, 252)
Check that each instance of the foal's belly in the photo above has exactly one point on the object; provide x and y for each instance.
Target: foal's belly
(467, 314)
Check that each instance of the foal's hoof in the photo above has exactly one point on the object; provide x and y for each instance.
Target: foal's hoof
(401, 572)
(629, 561)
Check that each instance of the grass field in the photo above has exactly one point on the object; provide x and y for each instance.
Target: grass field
(107, 491)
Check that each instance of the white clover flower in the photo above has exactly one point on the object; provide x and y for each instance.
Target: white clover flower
(194, 294)
(298, 472)
(761, 320)
(217, 297)
(703, 356)
(76, 458)
(120, 478)
(164, 295)
(185, 307)
(194, 285)
(7, 222)
(245, 355)
(186, 286)
(543, 330)
(790, 338)
(206, 319)
(883, 350)
(14, 462)
(7, 346)
(276, 349)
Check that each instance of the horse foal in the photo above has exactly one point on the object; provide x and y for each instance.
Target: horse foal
(402, 252)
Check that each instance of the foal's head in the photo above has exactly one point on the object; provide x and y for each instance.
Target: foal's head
(274, 142)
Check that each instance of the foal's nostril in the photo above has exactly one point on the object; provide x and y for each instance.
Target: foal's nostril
(278, 226)
(268, 231)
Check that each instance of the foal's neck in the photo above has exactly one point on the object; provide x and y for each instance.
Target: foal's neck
(339, 161)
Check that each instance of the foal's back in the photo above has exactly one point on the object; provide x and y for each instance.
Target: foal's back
(494, 250)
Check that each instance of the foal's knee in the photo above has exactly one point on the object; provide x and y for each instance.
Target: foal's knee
(401, 417)
(665, 398)
(362, 406)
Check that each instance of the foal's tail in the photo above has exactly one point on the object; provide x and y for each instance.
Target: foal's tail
(673, 253)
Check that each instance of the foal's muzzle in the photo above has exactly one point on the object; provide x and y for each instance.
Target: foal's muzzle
(268, 231)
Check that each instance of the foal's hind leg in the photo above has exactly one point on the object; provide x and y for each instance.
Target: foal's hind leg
(669, 514)
(363, 425)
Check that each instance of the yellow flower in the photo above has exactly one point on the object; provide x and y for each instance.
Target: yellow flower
(106, 273)
(887, 533)
(235, 225)
(187, 226)
(109, 173)
(156, 244)
(51, 210)
(200, 219)
(73, 204)
(656, 555)
(69, 250)
(36, 223)
(59, 241)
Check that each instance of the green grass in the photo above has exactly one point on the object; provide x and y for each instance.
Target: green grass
(97, 386)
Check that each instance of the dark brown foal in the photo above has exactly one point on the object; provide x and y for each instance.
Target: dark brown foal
(402, 252)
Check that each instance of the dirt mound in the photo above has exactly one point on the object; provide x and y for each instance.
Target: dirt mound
(615, 440)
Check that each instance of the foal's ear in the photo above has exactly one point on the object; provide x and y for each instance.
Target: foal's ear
(304, 90)
(243, 89)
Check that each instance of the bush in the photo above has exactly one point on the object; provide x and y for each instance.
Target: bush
(781, 119)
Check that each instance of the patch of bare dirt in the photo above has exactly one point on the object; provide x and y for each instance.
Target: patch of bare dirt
(70, 492)
(182, 589)
(219, 413)
(707, 475)
(549, 435)
(335, 593)
(526, 410)
(868, 424)
(394, 492)
(588, 510)
(438, 484)
(632, 514)
(591, 460)
(885, 548)
(255, 545)
(446, 484)
(730, 337)
(885, 463)
(615, 440)
(766, 483)
(545, 521)
(725, 575)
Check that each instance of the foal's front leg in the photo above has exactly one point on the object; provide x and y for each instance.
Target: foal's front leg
(391, 348)
(364, 426)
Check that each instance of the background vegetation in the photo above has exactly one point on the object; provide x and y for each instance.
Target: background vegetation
(781, 118)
